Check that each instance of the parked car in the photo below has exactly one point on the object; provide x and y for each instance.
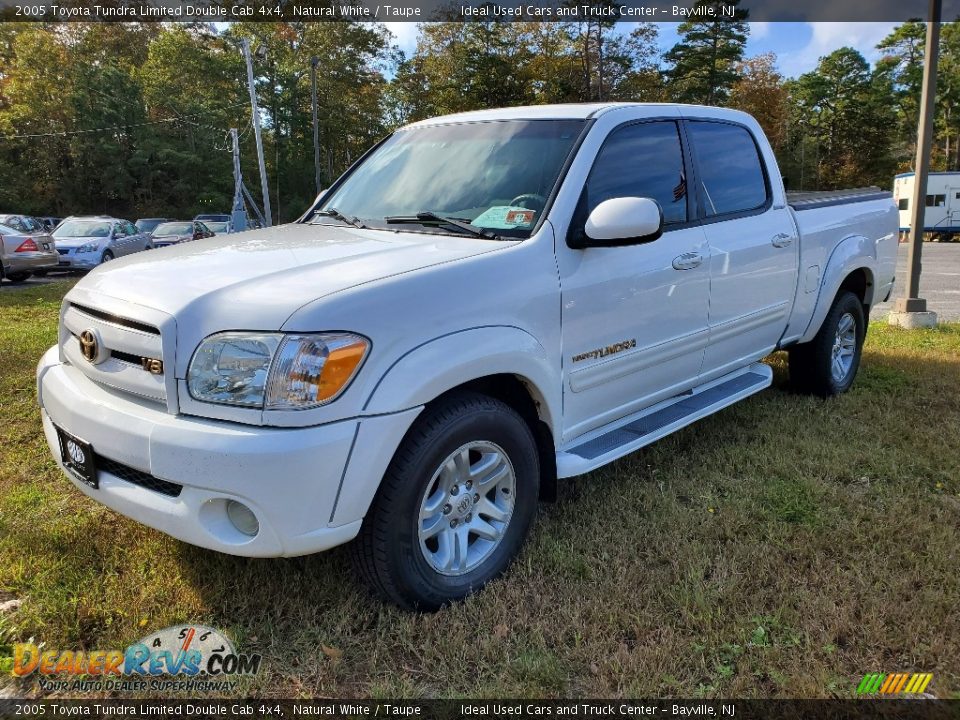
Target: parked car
(85, 242)
(217, 218)
(148, 225)
(482, 304)
(25, 248)
(219, 228)
(172, 233)
(50, 222)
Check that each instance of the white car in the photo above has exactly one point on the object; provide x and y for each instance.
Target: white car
(486, 302)
(86, 242)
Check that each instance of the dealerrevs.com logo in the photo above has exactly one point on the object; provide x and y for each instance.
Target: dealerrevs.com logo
(186, 658)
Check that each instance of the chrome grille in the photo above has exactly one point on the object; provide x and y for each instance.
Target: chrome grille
(124, 342)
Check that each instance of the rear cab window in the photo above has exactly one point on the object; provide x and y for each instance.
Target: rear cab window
(732, 176)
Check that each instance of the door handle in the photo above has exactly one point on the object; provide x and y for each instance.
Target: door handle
(687, 261)
(781, 240)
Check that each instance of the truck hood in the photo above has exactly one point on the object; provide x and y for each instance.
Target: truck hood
(256, 280)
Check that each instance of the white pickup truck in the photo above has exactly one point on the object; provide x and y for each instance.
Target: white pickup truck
(482, 304)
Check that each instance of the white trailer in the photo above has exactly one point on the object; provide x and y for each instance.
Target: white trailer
(942, 217)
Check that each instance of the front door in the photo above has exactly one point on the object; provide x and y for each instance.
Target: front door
(634, 318)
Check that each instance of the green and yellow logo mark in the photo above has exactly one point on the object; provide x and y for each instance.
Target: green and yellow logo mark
(893, 683)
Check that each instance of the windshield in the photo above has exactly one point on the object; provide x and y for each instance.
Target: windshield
(494, 175)
(83, 228)
(216, 226)
(216, 218)
(147, 225)
(183, 228)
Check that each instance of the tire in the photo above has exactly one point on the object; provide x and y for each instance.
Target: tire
(414, 562)
(40, 273)
(107, 256)
(828, 364)
(17, 277)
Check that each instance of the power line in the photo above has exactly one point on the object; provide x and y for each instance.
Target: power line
(66, 133)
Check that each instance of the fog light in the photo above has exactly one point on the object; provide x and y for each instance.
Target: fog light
(242, 518)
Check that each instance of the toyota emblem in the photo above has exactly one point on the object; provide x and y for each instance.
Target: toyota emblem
(89, 345)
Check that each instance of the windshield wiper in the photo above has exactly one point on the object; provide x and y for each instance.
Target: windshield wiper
(429, 216)
(337, 215)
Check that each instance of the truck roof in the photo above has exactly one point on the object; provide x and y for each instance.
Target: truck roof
(567, 111)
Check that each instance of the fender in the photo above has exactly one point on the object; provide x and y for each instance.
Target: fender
(441, 364)
(854, 252)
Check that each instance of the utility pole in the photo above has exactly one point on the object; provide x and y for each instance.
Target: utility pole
(256, 132)
(239, 209)
(910, 311)
(316, 130)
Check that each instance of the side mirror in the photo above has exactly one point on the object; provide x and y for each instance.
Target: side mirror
(624, 221)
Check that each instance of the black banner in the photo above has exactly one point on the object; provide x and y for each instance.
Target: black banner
(464, 10)
(921, 709)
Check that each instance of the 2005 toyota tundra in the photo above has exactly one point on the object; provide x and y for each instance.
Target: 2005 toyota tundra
(482, 304)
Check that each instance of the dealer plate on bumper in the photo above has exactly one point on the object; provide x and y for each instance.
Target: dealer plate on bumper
(77, 457)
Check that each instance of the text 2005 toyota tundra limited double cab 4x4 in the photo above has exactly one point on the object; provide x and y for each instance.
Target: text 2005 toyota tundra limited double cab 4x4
(482, 304)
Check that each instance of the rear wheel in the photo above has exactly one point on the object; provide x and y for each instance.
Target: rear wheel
(40, 273)
(828, 364)
(454, 506)
(17, 277)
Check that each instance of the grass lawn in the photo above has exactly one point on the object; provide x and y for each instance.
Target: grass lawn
(784, 547)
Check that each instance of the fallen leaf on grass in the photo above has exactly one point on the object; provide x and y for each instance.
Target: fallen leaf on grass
(330, 652)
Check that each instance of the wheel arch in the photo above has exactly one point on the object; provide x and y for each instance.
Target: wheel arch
(503, 362)
(850, 267)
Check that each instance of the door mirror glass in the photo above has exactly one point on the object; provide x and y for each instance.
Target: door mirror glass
(624, 221)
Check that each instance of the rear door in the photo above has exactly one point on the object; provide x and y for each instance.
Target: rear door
(753, 247)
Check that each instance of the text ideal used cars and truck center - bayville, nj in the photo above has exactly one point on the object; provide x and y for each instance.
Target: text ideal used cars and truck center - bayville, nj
(484, 303)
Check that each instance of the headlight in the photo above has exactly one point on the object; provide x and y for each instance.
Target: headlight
(88, 247)
(273, 370)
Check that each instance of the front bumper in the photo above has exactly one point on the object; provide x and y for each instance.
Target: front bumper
(80, 261)
(294, 480)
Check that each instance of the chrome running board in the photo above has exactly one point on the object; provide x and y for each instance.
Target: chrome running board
(613, 441)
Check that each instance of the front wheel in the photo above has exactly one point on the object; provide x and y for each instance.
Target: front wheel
(107, 256)
(455, 504)
(828, 364)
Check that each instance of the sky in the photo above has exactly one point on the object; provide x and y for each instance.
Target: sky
(797, 46)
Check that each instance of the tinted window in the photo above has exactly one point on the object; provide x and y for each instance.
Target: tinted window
(643, 160)
(936, 200)
(904, 204)
(731, 173)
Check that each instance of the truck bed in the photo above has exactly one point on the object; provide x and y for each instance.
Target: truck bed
(808, 200)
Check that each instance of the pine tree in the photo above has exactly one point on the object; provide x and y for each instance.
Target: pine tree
(703, 62)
